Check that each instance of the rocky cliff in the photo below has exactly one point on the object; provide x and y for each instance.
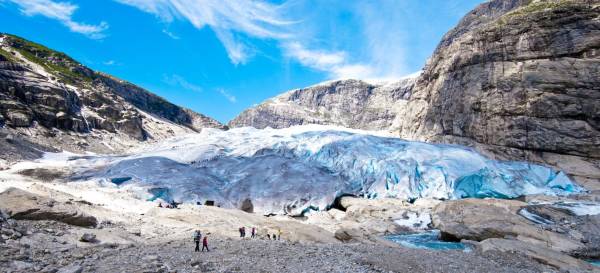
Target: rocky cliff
(52, 100)
(518, 80)
(348, 103)
(515, 79)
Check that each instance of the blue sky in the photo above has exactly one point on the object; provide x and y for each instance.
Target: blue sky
(219, 57)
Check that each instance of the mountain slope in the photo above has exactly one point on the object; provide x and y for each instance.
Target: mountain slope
(50, 99)
(349, 103)
(515, 79)
(518, 80)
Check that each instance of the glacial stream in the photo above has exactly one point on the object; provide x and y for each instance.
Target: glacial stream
(426, 240)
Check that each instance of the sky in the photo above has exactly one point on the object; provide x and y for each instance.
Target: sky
(219, 57)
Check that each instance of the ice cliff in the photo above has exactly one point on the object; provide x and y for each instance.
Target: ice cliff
(301, 168)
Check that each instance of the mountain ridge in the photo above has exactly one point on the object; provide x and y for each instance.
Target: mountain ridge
(45, 93)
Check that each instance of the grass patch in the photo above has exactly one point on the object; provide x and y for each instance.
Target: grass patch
(55, 62)
(7, 55)
(532, 7)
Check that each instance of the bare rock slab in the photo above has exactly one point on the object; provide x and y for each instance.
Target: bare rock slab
(23, 205)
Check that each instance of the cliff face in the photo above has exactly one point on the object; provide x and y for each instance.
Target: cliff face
(348, 103)
(519, 80)
(50, 99)
(515, 79)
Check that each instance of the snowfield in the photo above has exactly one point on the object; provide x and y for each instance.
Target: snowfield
(294, 170)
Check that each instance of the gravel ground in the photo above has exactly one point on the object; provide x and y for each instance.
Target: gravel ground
(45, 246)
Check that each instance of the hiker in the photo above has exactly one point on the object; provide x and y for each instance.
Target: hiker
(268, 236)
(197, 237)
(205, 244)
(253, 232)
(243, 232)
(278, 234)
(159, 204)
(274, 236)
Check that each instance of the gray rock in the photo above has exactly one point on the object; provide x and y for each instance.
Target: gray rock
(22, 266)
(71, 269)
(481, 219)
(88, 238)
(348, 103)
(20, 204)
(539, 253)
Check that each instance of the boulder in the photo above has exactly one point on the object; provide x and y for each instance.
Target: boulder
(88, 238)
(481, 219)
(539, 253)
(23, 205)
(71, 269)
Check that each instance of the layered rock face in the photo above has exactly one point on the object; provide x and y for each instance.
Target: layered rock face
(48, 98)
(348, 103)
(516, 80)
(519, 80)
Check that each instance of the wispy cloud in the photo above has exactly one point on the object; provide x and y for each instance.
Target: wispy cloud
(109, 62)
(226, 17)
(333, 62)
(171, 34)
(368, 47)
(229, 97)
(62, 12)
(176, 80)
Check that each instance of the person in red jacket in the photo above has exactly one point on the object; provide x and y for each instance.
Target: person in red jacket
(205, 244)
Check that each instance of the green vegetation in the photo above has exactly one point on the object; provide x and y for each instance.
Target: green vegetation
(532, 7)
(55, 62)
(7, 55)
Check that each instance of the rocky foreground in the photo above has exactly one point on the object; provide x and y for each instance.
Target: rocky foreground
(79, 227)
(49, 246)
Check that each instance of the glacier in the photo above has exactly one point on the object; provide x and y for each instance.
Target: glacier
(302, 168)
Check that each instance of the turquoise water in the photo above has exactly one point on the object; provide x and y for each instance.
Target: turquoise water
(595, 262)
(426, 240)
(162, 193)
(120, 180)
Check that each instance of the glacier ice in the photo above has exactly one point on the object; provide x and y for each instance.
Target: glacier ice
(304, 168)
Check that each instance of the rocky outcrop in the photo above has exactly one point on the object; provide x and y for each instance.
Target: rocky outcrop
(539, 253)
(518, 80)
(482, 219)
(348, 103)
(22, 205)
(48, 93)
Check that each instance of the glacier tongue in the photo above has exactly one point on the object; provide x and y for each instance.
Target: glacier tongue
(301, 168)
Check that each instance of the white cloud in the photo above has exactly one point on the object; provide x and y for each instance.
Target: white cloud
(225, 17)
(109, 62)
(369, 44)
(62, 12)
(335, 63)
(229, 97)
(176, 80)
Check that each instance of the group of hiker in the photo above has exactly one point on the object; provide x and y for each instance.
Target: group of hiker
(197, 238)
(254, 233)
(172, 205)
